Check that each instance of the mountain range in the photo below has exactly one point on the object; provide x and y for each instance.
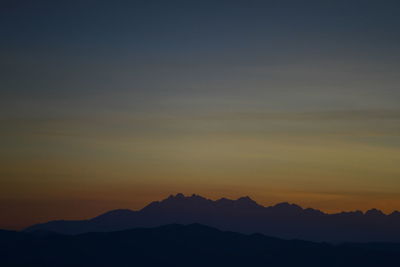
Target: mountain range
(185, 245)
(242, 215)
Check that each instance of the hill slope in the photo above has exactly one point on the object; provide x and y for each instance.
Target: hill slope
(179, 245)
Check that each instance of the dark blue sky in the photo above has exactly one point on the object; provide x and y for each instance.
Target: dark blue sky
(80, 47)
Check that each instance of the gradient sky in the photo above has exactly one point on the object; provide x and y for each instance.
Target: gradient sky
(112, 104)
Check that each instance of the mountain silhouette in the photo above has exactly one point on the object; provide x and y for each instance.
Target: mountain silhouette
(179, 245)
(243, 215)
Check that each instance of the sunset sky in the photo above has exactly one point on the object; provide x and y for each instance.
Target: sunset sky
(113, 104)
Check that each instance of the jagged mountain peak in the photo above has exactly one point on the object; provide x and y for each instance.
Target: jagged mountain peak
(285, 206)
(245, 199)
(181, 196)
(395, 213)
(374, 212)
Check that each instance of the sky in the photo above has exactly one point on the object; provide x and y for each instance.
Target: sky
(113, 104)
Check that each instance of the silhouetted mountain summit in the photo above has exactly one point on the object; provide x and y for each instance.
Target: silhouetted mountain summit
(243, 215)
(374, 213)
(191, 245)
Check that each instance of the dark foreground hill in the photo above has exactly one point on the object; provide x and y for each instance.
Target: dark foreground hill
(179, 245)
(243, 215)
